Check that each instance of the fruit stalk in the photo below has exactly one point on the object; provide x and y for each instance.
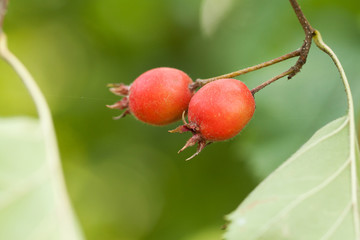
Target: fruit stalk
(309, 33)
(302, 53)
(261, 86)
(202, 82)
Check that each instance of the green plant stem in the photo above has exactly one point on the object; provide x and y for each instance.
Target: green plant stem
(63, 205)
(352, 131)
(202, 82)
(38, 98)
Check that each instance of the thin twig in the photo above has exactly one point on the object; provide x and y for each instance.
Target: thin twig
(264, 84)
(302, 19)
(202, 82)
(309, 32)
(304, 50)
(302, 53)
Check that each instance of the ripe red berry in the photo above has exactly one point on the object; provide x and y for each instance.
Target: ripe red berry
(157, 97)
(217, 112)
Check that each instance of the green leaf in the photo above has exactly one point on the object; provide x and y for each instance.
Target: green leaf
(33, 203)
(313, 195)
(212, 13)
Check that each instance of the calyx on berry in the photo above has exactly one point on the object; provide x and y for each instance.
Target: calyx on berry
(217, 112)
(157, 97)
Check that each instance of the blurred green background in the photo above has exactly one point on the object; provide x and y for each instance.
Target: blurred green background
(125, 179)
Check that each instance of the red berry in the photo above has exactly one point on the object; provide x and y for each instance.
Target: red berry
(158, 96)
(217, 112)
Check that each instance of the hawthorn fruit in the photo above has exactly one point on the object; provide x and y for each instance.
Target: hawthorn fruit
(157, 97)
(217, 112)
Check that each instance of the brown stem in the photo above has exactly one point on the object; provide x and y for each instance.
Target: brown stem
(302, 19)
(3, 7)
(264, 84)
(202, 82)
(304, 50)
(309, 33)
(303, 53)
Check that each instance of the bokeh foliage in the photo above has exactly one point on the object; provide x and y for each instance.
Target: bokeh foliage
(125, 179)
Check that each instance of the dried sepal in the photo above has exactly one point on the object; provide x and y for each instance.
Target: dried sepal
(201, 145)
(119, 89)
(126, 112)
(180, 129)
(197, 138)
(122, 104)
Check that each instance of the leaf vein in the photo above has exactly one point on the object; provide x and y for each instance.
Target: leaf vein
(338, 222)
(306, 195)
(297, 154)
(22, 189)
(308, 147)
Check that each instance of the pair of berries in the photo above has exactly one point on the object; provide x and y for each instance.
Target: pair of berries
(217, 112)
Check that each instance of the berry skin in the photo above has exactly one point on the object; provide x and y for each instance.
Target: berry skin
(157, 97)
(218, 112)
